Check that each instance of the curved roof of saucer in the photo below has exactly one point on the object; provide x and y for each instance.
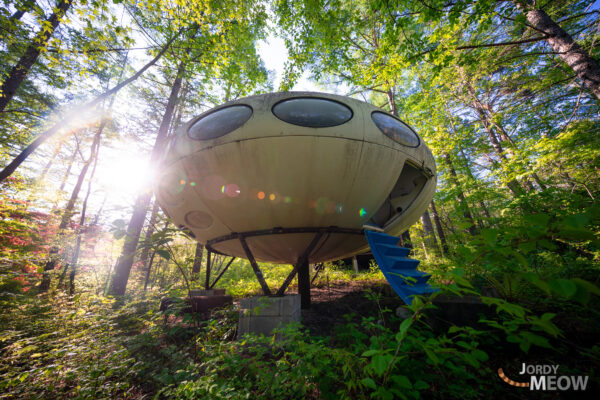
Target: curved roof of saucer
(290, 160)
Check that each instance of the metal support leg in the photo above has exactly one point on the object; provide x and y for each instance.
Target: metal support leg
(257, 271)
(207, 281)
(304, 283)
(221, 273)
(304, 256)
(318, 268)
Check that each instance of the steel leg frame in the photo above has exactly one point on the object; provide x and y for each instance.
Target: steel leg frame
(301, 267)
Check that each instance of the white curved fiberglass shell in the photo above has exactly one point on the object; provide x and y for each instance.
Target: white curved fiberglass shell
(240, 168)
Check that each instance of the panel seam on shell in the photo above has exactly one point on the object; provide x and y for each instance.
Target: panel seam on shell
(287, 136)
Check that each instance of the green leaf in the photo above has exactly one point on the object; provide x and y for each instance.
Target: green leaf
(370, 353)
(465, 225)
(404, 326)
(562, 287)
(545, 324)
(380, 363)
(582, 295)
(540, 220)
(522, 260)
(590, 287)
(421, 385)
(164, 254)
(575, 221)
(536, 339)
(489, 235)
(402, 381)
(535, 279)
(576, 234)
(479, 355)
(527, 247)
(547, 244)
(432, 356)
(368, 382)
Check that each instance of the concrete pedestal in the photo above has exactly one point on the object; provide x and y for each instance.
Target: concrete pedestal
(209, 292)
(262, 315)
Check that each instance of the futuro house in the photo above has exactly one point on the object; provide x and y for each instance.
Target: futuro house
(278, 168)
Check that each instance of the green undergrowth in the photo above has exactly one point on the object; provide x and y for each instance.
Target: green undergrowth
(240, 281)
(91, 347)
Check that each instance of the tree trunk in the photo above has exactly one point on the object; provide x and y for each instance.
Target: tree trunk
(155, 208)
(405, 240)
(392, 102)
(488, 125)
(125, 261)
(63, 274)
(148, 236)
(428, 234)
(19, 72)
(69, 167)
(75, 258)
(467, 168)
(460, 195)
(585, 67)
(57, 150)
(149, 270)
(48, 268)
(197, 261)
(99, 212)
(439, 228)
(75, 113)
(538, 180)
(68, 211)
(17, 15)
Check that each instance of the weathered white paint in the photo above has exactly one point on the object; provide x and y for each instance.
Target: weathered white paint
(318, 177)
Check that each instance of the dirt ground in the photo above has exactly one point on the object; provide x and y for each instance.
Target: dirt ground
(332, 301)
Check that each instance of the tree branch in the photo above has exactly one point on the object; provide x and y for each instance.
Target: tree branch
(510, 43)
(77, 111)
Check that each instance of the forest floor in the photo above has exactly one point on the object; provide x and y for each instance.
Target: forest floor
(91, 347)
(332, 301)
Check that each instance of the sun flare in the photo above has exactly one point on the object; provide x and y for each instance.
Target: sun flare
(124, 173)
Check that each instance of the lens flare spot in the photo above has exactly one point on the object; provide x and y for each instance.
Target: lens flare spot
(232, 190)
(362, 212)
(330, 208)
(212, 187)
(321, 205)
(192, 183)
(288, 199)
(261, 195)
(339, 208)
(223, 189)
(182, 182)
(271, 197)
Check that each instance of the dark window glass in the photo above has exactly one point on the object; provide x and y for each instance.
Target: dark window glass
(220, 122)
(314, 113)
(395, 129)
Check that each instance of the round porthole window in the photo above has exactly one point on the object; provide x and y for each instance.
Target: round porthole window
(312, 112)
(220, 122)
(199, 219)
(395, 129)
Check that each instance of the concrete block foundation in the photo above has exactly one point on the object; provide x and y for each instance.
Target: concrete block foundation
(209, 292)
(262, 315)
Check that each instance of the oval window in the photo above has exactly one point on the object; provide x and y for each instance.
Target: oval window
(395, 129)
(312, 112)
(220, 122)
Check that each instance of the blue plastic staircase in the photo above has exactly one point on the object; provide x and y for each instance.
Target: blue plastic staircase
(400, 271)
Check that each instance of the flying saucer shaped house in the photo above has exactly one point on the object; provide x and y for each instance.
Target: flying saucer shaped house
(280, 174)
